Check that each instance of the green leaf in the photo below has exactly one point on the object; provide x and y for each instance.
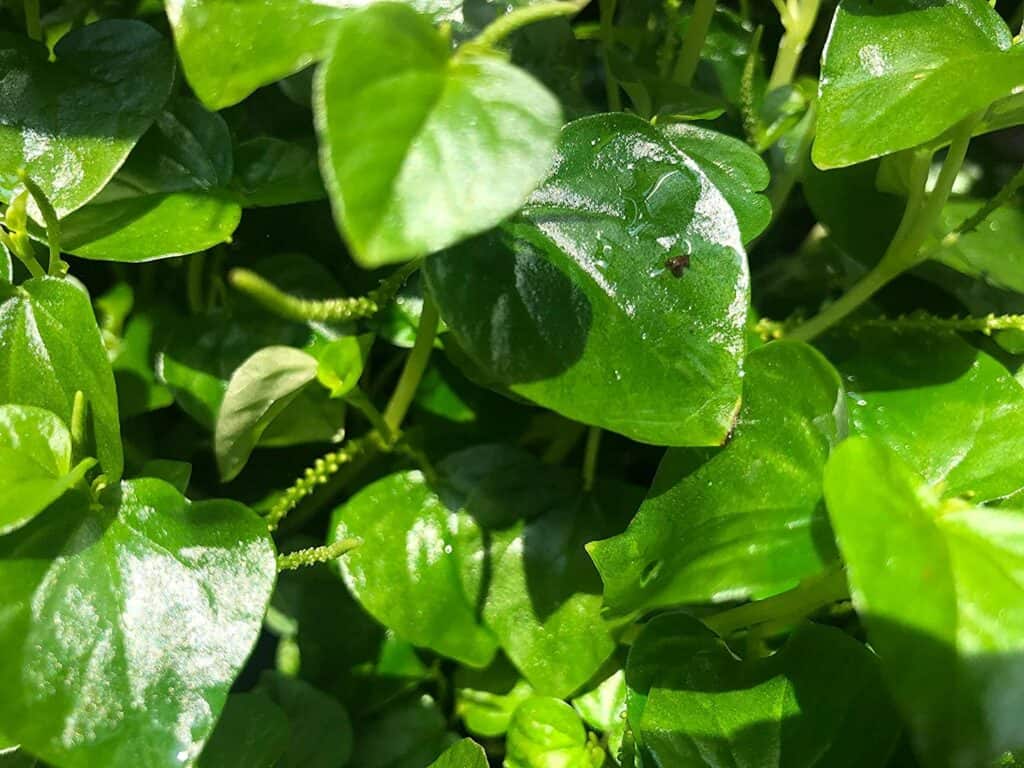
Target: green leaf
(954, 414)
(409, 733)
(486, 699)
(125, 623)
(573, 303)
(448, 146)
(990, 252)
(340, 363)
(228, 50)
(603, 708)
(6, 268)
(252, 733)
(940, 586)
(491, 553)
(271, 171)
(260, 390)
(170, 198)
(175, 473)
(132, 360)
(736, 170)
(547, 733)
(35, 463)
(743, 521)
(417, 570)
(818, 701)
(900, 73)
(321, 733)
(50, 348)
(70, 123)
(462, 754)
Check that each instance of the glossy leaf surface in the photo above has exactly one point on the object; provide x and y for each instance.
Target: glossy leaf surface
(450, 146)
(576, 304)
(743, 521)
(71, 123)
(547, 733)
(953, 413)
(50, 348)
(170, 198)
(818, 701)
(126, 623)
(899, 73)
(463, 754)
(948, 658)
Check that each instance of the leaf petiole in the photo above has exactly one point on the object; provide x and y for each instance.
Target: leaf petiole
(56, 267)
(415, 366)
(505, 25)
(693, 43)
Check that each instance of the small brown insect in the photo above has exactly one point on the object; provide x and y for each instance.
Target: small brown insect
(677, 265)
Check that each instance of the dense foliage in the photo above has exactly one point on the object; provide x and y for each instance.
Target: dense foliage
(545, 385)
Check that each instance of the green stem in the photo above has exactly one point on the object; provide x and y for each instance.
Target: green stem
(925, 322)
(22, 254)
(611, 84)
(693, 43)
(33, 27)
(799, 24)
(563, 444)
(1002, 197)
(505, 25)
(49, 218)
(194, 285)
(358, 399)
(919, 220)
(415, 366)
(590, 453)
(810, 596)
(316, 555)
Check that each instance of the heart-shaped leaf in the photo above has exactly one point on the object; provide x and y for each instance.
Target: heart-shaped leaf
(71, 122)
(743, 521)
(951, 412)
(125, 623)
(940, 586)
(618, 297)
(818, 701)
(900, 73)
(463, 754)
(448, 145)
(228, 50)
(50, 348)
(170, 198)
(35, 463)
(497, 542)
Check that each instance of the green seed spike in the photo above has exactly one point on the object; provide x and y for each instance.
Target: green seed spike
(924, 322)
(316, 555)
(321, 471)
(295, 308)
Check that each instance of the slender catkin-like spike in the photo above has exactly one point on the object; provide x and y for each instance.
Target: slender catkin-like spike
(315, 555)
(921, 321)
(321, 471)
(324, 310)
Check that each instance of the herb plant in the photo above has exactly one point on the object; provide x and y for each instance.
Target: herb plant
(547, 385)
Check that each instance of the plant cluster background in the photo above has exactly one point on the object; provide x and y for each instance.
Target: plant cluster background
(553, 384)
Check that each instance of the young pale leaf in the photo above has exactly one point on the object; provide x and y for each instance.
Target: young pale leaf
(940, 585)
(463, 754)
(340, 363)
(603, 708)
(50, 348)
(954, 414)
(547, 733)
(35, 463)
(228, 49)
(259, 391)
(271, 171)
(320, 731)
(900, 73)
(743, 521)
(486, 699)
(170, 198)
(252, 733)
(819, 701)
(125, 623)
(618, 297)
(449, 146)
(70, 123)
